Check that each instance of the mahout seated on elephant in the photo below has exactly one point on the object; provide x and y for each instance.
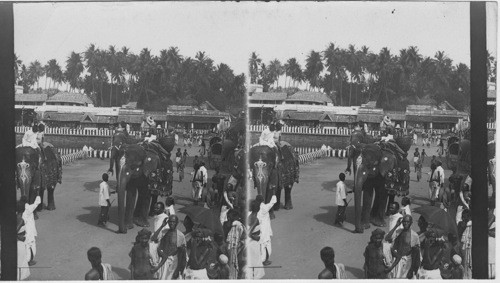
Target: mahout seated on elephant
(32, 176)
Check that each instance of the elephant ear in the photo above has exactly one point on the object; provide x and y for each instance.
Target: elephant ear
(150, 163)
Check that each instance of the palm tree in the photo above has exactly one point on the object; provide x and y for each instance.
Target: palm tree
(74, 68)
(330, 56)
(35, 71)
(52, 68)
(384, 68)
(90, 56)
(314, 67)
(353, 66)
(253, 67)
(275, 71)
(295, 71)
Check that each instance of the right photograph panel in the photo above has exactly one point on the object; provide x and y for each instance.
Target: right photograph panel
(359, 132)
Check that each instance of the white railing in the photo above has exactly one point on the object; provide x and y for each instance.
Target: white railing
(335, 131)
(75, 132)
(491, 126)
(86, 131)
(309, 157)
(69, 155)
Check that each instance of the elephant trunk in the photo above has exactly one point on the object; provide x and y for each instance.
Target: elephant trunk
(25, 176)
(359, 180)
(121, 190)
(261, 180)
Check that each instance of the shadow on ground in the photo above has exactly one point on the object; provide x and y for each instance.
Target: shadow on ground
(94, 186)
(329, 216)
(332, 185)
(92, 217)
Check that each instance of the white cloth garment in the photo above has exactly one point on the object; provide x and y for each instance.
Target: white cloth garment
(103, 193)
(341, 194)
(29, 139)
(267, 138)
(266, 231)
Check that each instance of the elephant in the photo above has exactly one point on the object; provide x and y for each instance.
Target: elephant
(32, 180)
(270, 179)
(146, 171)
(378, 170)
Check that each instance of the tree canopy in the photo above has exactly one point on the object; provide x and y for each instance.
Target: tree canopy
(352, 76)
(113, 77)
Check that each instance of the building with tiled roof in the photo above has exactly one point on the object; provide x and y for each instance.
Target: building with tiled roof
(30, 99)
(309, 98)
(70, 99)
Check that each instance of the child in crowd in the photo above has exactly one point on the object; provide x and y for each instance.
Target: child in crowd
(405, 203)
(140, 257)
(104, 200)
(341, 201)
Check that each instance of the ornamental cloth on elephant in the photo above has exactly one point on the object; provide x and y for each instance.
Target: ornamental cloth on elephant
(51, 167)
(288, 162)
(160, 180)
(398, 179)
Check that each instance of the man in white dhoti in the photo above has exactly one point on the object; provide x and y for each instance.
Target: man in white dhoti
(158, 219)
(31, 232)
(405, 250)
(265, 228)
(172, 251)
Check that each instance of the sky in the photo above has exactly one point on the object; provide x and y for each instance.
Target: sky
(230, 32)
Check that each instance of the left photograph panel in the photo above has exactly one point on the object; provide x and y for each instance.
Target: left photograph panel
(130, 131)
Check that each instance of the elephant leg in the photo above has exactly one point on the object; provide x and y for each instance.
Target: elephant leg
(379, 204)
(130, 206)
(142, 207)
(268, 196)
(367, 204)
(154, 200)
(277, 205)
(42, 192)
(50, 198)
(288, 197)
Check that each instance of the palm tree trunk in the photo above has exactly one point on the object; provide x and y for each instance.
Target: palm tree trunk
(111, 94)
(45, 82)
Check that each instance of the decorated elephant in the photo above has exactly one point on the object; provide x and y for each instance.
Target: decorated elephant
(33, 179)
(268, 178)
(378, 169)
(144, 171)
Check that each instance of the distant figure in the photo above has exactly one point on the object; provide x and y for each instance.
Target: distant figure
(332, 270)
(104, 202)
(99, 271)
(341, 201)
(416, 157)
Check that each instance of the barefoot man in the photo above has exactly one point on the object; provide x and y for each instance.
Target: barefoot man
(405, 250)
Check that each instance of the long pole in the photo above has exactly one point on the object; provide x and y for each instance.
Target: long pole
(478, 90)
(7, 184)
